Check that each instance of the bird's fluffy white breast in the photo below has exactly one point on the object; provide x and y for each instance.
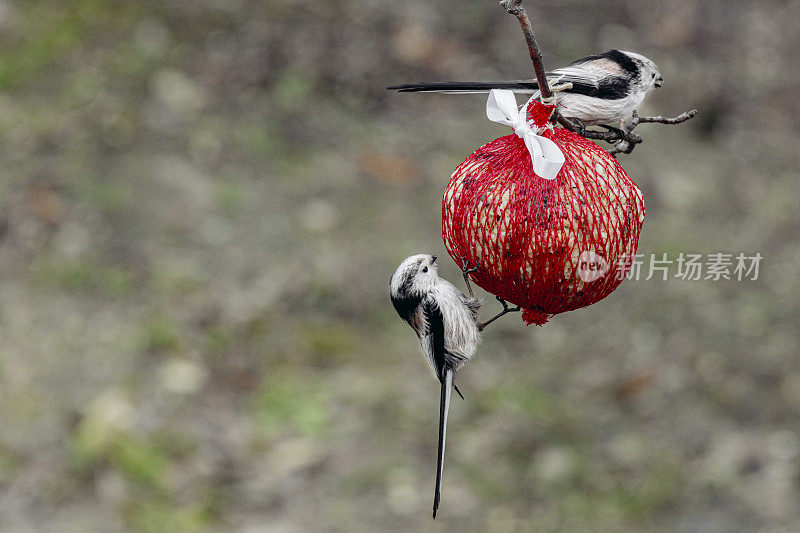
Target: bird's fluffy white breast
(593, 111)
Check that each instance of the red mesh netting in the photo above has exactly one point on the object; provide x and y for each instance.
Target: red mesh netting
(527, 233)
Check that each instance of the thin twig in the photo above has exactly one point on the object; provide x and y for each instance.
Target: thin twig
(629, 139)
(515, 8)
(625, 139)
(505, 311)
(683, 117)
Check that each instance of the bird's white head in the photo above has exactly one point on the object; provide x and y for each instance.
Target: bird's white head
(650, 76)
(416, 276)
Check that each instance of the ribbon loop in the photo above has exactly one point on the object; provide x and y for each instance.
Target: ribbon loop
(546, 156)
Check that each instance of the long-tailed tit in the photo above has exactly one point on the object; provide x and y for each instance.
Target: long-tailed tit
(606, 88)
(446, 322)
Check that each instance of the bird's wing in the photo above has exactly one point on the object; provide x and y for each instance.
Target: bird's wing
(592, 79)
(432, 335)
(583, 75)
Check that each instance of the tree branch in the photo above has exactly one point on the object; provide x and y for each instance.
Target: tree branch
(683, 117)
(515, 8)
(625, 140)
(629, 140)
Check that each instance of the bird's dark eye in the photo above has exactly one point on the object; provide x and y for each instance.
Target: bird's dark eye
(654, 75)
(424, 269)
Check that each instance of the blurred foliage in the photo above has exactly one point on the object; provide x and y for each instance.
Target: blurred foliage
(202, 203)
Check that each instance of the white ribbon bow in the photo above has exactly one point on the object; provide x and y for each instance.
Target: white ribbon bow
(546, 156)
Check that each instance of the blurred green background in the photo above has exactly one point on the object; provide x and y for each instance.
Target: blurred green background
(203, 201)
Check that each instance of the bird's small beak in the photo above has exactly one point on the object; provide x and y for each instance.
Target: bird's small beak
(433, 259)
(659, 81)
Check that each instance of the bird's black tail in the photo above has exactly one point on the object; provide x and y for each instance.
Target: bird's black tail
(466, 87)
(444, 407)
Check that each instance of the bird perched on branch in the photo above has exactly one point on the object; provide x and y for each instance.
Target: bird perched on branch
(606, 88)
(446, 322)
